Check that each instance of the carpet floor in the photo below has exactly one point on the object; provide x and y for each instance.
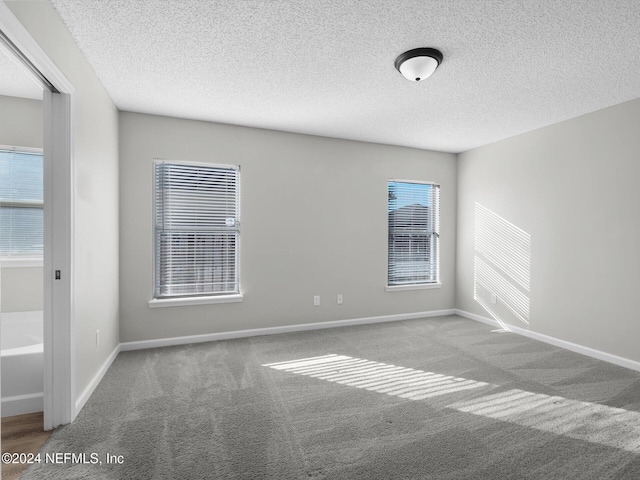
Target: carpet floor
(436, 398)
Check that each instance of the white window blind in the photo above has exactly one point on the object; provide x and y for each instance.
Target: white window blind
(414, 233)
(197, 229)
(21, 204)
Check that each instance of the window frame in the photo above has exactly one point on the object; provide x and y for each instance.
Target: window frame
(418, 285)
(194, 299)
(25, 261)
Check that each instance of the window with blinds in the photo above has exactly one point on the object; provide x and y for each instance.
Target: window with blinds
(414, 238)
(21, 204)
(197, 229)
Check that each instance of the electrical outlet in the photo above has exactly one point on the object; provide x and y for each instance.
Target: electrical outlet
(339, 299)
(494, 298)
(97, 338)
(316, 300)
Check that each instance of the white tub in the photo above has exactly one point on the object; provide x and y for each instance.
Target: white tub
(22, 362)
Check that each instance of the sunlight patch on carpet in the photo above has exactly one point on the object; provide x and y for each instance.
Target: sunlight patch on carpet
(377, 377)
(591, 422)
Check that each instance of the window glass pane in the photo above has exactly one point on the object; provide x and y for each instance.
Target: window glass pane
(20, 176)
(197, 263)
(413, 212)
(197, 229)
(21, 203)
(20, 231)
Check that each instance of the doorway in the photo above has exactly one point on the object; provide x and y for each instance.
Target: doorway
(57, 271)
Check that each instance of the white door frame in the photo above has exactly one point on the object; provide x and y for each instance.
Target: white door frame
(59, 338)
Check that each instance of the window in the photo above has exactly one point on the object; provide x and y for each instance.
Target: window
(414, 234)
(197, 229)
(21, 204)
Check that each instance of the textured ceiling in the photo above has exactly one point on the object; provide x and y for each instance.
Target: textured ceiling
(326, 67)
(14, 81)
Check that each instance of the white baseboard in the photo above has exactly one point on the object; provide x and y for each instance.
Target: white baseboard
(210, 337)
(574, 347)
(478, 318)
(20, 404)
(86, 393)
(165, 342)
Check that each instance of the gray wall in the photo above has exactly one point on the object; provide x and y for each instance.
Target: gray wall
(314, 222)
(95, 191)
(21, 126)
(20, 122)
(21, 289)
(573, 187)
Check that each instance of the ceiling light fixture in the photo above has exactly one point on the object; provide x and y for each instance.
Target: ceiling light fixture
(419, 63)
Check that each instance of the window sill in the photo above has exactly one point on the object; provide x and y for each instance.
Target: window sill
(422, 286)
(15, 262)
(177, 302)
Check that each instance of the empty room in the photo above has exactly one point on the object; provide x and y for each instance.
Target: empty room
(320, 239)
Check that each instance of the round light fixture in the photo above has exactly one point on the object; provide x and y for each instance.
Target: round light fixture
(419, 63)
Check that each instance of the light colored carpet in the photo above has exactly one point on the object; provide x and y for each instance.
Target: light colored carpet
(437, 398)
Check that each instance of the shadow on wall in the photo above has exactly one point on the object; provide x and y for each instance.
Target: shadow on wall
(502, 266)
